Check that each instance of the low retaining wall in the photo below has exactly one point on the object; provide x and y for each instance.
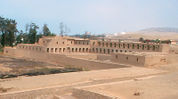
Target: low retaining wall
(84, 94)
(104, 57)
(44, 93)
(10, 51)
(89, 56)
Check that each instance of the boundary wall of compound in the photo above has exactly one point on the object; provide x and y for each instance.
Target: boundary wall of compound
(60, 59)
(89, 60)
(136, 60)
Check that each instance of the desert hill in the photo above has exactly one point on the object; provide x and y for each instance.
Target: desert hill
(150, 33)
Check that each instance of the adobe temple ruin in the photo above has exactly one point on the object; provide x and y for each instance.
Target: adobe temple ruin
(131, 53)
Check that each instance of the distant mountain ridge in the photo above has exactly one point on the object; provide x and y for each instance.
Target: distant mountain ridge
(160, 29)
(163, 33)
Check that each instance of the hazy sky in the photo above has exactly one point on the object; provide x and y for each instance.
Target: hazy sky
(96, 16)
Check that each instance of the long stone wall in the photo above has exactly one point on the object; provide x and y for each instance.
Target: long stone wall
(10, 51)
(136, 60)
(110, 47)
(61, 59)
(64, 45)
(156, 60)
(86, 60)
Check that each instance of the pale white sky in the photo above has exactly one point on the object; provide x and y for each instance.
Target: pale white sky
(96, 16)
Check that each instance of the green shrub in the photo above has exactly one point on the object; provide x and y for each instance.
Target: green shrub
(1, 49)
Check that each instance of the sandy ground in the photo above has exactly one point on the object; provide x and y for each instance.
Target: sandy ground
(158, 82)
(12, 65)
(28, 83)
(155, 87)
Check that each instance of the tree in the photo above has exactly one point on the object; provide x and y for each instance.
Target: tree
(11, 28)
(157, 41)
(20, 37)
(33, 33)
(38, 36)
(26, 28)
(3, 22)
(25, 35)
(62, 29)
(46, 31)
(4, 40)
(141, 39)
(7, 31)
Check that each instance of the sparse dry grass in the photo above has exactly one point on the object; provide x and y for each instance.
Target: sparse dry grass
(22, 67)
(3, 90)
(42, 71)
(80, 68)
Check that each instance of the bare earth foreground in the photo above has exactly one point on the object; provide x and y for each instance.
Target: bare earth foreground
(124, 83)
(13, 65)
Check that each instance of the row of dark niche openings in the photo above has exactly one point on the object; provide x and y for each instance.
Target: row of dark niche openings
(127, 58)
(31, 47)
(101, 50)
(76, 42)
(120, 45)
(128, 46)
(73, 49)
(86, 50)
